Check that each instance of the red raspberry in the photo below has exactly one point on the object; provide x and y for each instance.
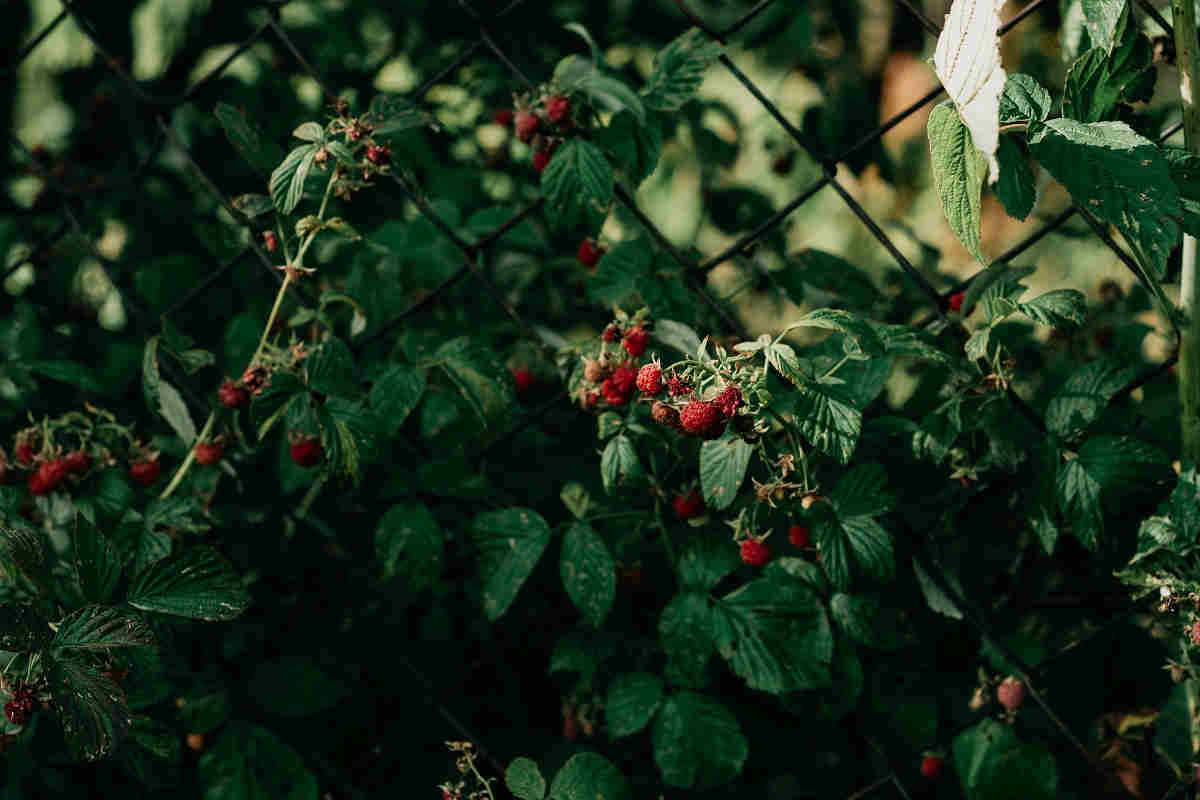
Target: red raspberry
(307, 451)
(379, 154)
(625, 379)
(635, 341)
(1195, 633)
(558, 108)
(49, 476)
(689, 506)
(931, 766)
(799, 536)
(270, 241)
(589, 399)
(663, 414)
(593, 371)
(649, 377)
(524, 378)
(676, 387)
(589, 253)
(541, 160)
(611, 333)
(209, 453)
(20, 709)
(231, 395)
(956, 301)
(612, 392)
(1011, 693)
(729, 401)
(526, 125)
(145, 473)
(755, 552)
(78, 462)
(503, 116)
(24, 450)
(699, 417)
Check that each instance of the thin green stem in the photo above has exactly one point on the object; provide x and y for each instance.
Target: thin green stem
(486, 785)
(191, 456)
(287, 279)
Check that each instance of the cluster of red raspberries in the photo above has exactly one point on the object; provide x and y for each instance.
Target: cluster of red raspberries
(541, 124)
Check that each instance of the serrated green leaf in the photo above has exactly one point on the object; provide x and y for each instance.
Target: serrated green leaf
(1105, 20)
(260, 152)
(22, 548)
(578, 185)
(706, 561)
(686, 633)
(775, 635)
(91, 708)
(863, 491)
(97, 567)
(829, 273)
(510, 543)
(698, 743)
(389, 114)
(198, 583)
(1015, 187)
(1185, 172)
(1023, 99)
(395, 393)
(723, 464)
(620, 466)
(1099, 81)
(679, 69)
(175, 411)
(1176, 731)
(485, 383)
(1085, 395)
(309, 132)
(1062, 308)
(330, 369)
(408, 544)
(150, 374)
(1105, 466)
(247, 762)
(870, 622)
(287, 181)
(993, 764)
(635, 142)
(1118, 176)
(524, 779)
(959, 171)
(937, 599)
(101, 628)
(856, 329)
(620, 271)
(828, 419)
(633, 697)
(588, 776)
(588, 572)
(676, 335)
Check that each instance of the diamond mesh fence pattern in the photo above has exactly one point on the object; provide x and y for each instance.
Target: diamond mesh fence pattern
(155, 107)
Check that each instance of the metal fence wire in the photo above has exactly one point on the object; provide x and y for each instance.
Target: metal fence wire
(162, 108)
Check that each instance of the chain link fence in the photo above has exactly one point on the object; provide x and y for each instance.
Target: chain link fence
(473, 248)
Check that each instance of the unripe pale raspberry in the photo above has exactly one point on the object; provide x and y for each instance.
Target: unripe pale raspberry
(1011, 693)
(594, 371)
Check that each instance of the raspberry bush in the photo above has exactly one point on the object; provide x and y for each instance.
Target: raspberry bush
(588, 418)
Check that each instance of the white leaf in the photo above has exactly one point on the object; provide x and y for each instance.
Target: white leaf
(967, 62)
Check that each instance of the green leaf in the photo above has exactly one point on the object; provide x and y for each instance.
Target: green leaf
(723, 464)
(829, 420)
(775, 635)
(706, 561)
(395, 393)
(294, 687)
(937, 599)
(198, 583)
(578, 185)
(1176, 732)
(310, 132)
(1023, 99)
(903, 340)
(22, 548)
(102, 628)
(1015, 187)
(175, 412)
(1105, 20)
(389, 114)
(619, 464)
(408, 544)
(1098, 83)
(871, 622)
(686, 632)
(97, 567)
(1185, 171)
(22, 629)
(959, 170)
(587, 776)
(829, 273)
(510, 543)
(150, 374)
(679, 69)
(588, 572)
(862, 492)
(698, 742)
(1085, 395)
(620, 271)
(851, 536)
(287, 181)
(251, 763)
(1062, 308)
(524, 779)
(259, 152)
(68, 372)
(90, 707)
(483, 380)
(634, 144)
(576, 498)
(676, 335)
(1118, 176)
(1106, 466)
(578, 74)
(331, 369)
(857, 330)
(993, 764)
(633, 697)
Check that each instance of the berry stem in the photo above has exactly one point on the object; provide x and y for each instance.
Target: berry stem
(177, 478)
